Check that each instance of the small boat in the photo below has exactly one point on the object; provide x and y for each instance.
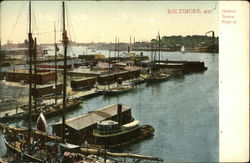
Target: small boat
(141, 80)
(52, 110)
(116, 90)
(158, 78)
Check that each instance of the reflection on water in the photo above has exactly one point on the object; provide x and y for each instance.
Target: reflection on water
(183, 111)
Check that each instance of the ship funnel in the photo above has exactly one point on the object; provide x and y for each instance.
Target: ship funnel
(119, 114)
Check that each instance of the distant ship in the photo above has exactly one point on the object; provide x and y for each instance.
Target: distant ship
(117, 90)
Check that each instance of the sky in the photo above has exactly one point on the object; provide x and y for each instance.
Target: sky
(102, 21)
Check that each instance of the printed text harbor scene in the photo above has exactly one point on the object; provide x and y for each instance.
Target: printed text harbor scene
(109, 82)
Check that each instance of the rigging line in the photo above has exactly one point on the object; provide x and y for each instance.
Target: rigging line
(139, 104)
(68, 23)
(72, 35)
(27, 22)
(68, 26)
(34, 21)
(58, 20)
(71, 24)
(69, 31)
(60, 23)
(19, 14)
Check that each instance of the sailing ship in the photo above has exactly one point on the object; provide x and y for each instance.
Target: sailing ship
(37, 145)
(183, 49)
(55, 108)
(34, 150)
(119, 88)
(34, 145)
(156, 75)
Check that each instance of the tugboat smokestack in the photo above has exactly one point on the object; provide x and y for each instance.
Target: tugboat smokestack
(119, 114)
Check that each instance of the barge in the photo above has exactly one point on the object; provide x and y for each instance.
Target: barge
(23, 76)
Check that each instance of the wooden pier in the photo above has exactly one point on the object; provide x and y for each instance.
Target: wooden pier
(19, 114)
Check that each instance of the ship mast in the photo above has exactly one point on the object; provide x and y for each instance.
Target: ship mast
(1, 58)
(129, 47)
(55, 63)
(159, 48)
(118, 51)
(152, 60)
(30, 68)
(109, 70)
(115, 48)
(65, 43)
(35, 71)
(117, 61)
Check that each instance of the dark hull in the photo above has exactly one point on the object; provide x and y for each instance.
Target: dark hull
(115, 91)
(23, 131)
(18, 116)
(35, 115)
(137, 82)
(140, 134)
(53, 113)
(111, 93)
(156, 80)
(26, 157)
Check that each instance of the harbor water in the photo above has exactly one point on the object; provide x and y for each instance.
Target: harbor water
(183, 110)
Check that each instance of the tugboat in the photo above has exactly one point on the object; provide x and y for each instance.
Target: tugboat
(112, 134)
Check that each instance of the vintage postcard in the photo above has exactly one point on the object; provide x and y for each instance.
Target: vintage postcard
(124, 81)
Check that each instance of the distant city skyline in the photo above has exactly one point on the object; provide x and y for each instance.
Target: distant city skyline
(97, 21)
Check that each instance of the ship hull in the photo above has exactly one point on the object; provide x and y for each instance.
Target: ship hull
(112, 92)
(133, 136)
(26, 157)
(159, 79)
(49, 114)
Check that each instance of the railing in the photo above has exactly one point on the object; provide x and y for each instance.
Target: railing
(100, 132)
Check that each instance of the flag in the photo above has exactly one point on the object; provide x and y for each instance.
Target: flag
(41, 123)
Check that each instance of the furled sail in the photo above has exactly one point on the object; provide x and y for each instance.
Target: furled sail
(41, 123)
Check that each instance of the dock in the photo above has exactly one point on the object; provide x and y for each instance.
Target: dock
(11, 114)
(18, 114)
